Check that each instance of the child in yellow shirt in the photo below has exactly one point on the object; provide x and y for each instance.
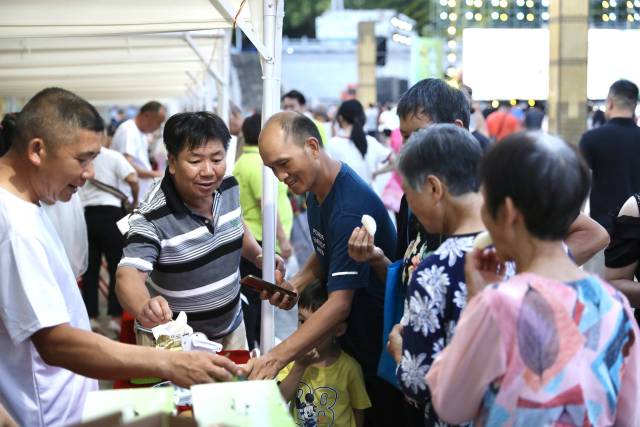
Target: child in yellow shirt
(325, 387)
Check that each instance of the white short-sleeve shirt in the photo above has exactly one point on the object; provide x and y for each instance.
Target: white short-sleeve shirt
(111, 168)
(129, 140)
(341, 148)
(37, 290)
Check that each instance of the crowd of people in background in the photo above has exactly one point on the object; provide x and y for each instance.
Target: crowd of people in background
(411, 323)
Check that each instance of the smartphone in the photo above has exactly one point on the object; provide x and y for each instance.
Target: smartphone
(257, 284)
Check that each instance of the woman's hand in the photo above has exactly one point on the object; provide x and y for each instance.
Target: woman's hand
(394, 345)
(481, 268)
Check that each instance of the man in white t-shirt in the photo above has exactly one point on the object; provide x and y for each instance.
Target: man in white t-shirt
(132, 140)
(102, 211)
(48, 352)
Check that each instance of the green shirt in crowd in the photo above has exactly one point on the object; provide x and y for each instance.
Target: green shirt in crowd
(248, 172)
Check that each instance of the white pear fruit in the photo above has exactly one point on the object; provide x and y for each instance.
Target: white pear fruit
(369, 224)
(483, 240)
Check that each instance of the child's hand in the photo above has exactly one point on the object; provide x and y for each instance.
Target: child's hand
(308, 359)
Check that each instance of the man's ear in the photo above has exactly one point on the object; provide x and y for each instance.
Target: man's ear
(314, 146)
(459, 123)
(36, 151)
(172, 161)
(341, 329)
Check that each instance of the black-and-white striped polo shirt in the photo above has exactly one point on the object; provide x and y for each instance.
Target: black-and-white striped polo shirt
(193, 261)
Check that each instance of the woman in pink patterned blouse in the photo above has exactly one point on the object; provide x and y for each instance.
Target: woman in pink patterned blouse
(552, 346)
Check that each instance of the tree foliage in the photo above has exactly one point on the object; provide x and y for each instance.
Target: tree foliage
(300, 15)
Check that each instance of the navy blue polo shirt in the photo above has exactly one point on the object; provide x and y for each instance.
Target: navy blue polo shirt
(331, 224)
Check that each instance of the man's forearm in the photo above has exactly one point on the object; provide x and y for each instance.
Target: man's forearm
(250, 247)
(142, 172)
(586, 238)
(379, 266)
(322, 322)
(131, 289)
(310, 271)
(95, 356)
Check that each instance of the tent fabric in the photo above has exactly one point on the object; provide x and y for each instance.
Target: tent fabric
(63, 18)
(157, 65)
(117, 50)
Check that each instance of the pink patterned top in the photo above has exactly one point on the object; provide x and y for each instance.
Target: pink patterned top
(534, 351)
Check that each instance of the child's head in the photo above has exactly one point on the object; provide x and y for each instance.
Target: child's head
(311, 299)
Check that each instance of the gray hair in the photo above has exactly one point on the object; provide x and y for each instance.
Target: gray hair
(447, 151)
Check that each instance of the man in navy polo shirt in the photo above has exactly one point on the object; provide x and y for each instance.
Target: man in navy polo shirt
(337, 199)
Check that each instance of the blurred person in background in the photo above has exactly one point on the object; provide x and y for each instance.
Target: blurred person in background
(103, 207)
(295, 101)
(371, 125)
(351, 145)
(132, 139)
(534, 117)
(502, 123)
(612, 151)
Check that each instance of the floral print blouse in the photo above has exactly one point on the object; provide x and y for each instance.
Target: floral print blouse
(434, 300)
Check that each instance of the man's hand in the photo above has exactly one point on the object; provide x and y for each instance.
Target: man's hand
(195, 367)
(394, 345)
(280, 264)
(155, 312)
(361, 247)
(280, 300)
(481, 268)
(308, 359)
(263, 368)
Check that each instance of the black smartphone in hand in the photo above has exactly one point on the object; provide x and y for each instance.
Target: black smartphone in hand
(257, 284)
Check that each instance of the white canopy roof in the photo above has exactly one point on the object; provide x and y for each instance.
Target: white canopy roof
(117, 50)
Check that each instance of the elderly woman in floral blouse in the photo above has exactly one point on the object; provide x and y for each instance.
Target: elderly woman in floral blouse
(552, 345)
(438, 165)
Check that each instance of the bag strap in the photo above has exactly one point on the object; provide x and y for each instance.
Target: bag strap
(109, 189)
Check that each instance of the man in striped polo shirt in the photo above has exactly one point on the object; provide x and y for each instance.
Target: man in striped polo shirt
(187, 237)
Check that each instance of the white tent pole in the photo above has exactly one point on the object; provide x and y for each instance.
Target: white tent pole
(223, 90)
(273, 13)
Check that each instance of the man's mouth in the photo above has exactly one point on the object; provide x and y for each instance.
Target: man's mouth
(206, 185)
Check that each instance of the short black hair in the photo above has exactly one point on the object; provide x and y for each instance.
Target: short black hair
(313, 296)
(625, 94)
(299, 127)
(7, 132)
(436, 99)
(545, 177)
(151, 107)
(52, 114)
(251, 129)
(295, 95)
(446, 151)
(194, 129)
